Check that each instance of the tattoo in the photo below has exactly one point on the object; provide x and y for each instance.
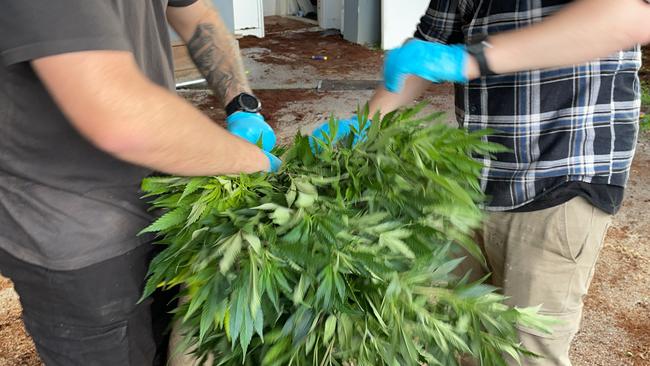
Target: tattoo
(213, 51)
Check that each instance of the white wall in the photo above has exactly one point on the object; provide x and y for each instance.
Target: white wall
(399, 19)
(280, 7)
(270, 7)
(249, 18)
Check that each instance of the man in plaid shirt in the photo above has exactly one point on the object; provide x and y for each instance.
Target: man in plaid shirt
(571, 130)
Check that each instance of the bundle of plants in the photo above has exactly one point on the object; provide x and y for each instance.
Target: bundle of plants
(344, 257)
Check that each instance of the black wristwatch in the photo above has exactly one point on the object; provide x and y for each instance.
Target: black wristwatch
(244, 102)
(477, 48)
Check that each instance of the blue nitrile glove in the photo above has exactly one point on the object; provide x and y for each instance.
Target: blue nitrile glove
(274, 162)
(250, 126)
(345, 127)
(431, 61)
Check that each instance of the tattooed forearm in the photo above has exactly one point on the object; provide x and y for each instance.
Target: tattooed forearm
(213, 51)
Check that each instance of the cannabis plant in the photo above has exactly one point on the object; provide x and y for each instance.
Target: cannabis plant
(344, 257)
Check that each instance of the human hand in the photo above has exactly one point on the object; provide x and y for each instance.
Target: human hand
(251, 127)
(344, 128)
(431, 61)
(274, 162)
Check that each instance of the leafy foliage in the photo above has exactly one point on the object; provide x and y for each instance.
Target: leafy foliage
(645, 108)
(342, 258)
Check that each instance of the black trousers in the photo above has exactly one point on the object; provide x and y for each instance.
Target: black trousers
(91, 316)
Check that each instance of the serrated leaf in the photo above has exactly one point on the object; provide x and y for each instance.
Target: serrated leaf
(196, 233)
(259, 323)
(192, 186)
(299, 291)
(238, 307)
(196, 302)
(246, 333)
(167, 221)
(232, 247)
(291, 194)
(330, 328)
(309, 344)
(253, 241)
(306, 200)
(267, 207)
(397, 245)
(281, 216)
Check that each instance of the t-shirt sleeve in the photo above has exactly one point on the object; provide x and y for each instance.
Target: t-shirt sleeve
(180, 3)
(441, 23)
(31, 29)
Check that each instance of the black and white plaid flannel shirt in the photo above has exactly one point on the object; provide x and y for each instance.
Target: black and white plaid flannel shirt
(572, 124)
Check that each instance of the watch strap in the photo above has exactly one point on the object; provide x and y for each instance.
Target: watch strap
(477, 49)
(233, 106)
(237, 105)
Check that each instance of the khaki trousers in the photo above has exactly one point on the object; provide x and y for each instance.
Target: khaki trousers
(545, 258)
(177, 357)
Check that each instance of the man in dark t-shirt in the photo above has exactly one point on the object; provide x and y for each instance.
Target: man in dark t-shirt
(86, 111)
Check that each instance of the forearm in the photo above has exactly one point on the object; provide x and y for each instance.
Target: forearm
(384, 102)
(164, 132)
(123, 113)
(212, 48)
(581, 32)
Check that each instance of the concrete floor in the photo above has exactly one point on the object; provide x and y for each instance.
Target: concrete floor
(293, 110)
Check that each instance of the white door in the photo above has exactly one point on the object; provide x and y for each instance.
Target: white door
(329, 14)
(399, 20)
(249, 17)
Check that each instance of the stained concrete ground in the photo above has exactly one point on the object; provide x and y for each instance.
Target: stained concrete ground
(616, 324)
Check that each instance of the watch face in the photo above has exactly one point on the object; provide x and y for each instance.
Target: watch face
(249, 102)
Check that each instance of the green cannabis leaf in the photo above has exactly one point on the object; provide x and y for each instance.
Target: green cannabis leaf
(344, 257)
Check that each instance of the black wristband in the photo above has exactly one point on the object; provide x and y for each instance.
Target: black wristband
(477, 49)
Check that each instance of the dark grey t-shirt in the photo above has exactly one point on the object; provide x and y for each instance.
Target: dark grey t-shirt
(63, 203)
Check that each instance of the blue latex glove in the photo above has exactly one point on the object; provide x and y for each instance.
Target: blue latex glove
(274, 162)
(250, 126)
(431, 61)
(345, 127)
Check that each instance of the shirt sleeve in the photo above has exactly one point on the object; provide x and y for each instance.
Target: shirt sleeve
(31, 29)
(180, 3)
(441, 23)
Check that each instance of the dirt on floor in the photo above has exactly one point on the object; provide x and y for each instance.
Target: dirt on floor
(284, 109)
(279, 24)
(645, 69)
(273, 101)
(16, 348)
(325, 51)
